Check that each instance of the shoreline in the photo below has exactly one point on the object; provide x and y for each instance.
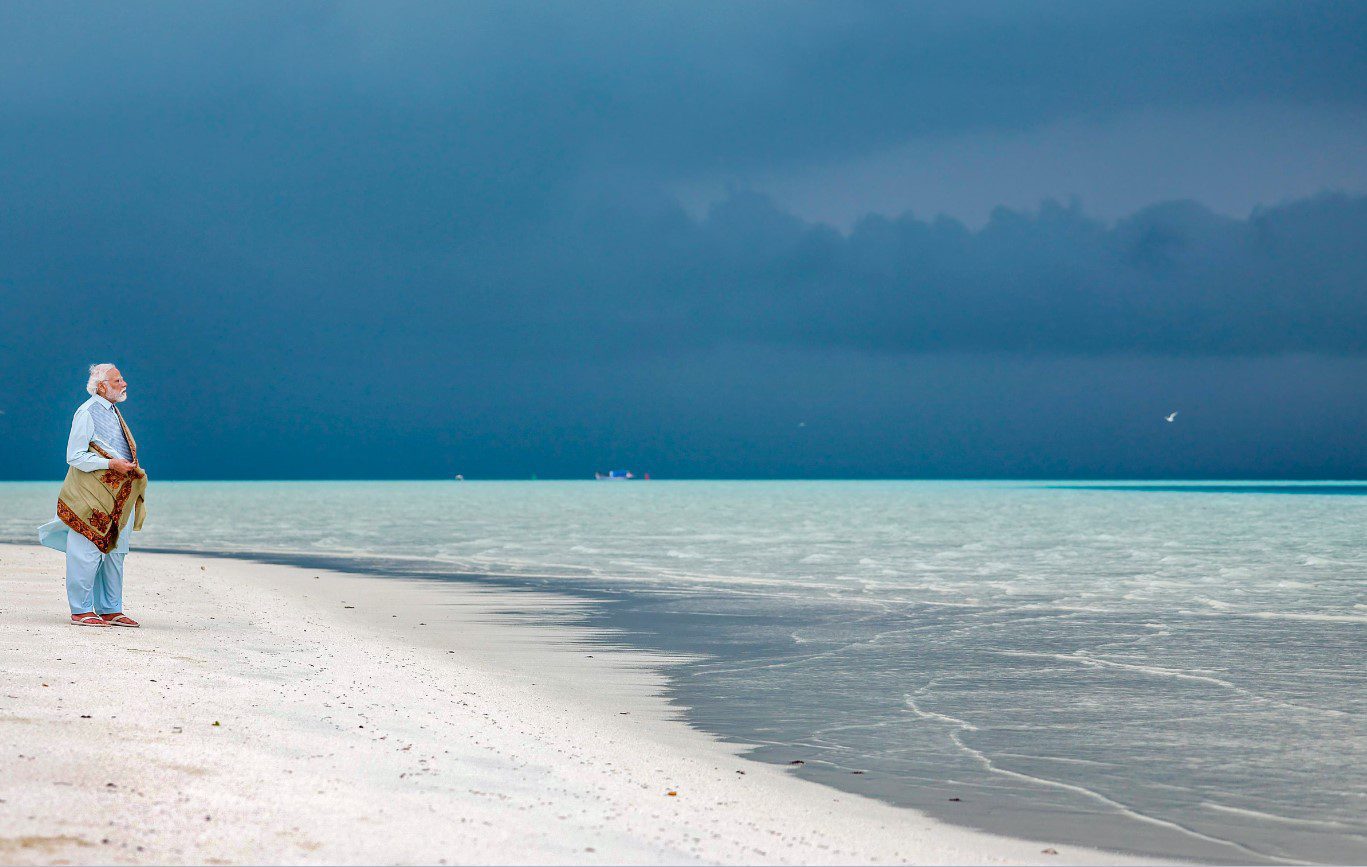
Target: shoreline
(365, 719)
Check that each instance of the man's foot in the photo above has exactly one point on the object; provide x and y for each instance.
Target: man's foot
(90, 618)
(118, 618)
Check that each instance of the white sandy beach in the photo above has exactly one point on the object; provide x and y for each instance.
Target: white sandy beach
(270, 714)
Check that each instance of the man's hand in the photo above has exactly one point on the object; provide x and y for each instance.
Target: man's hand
(119, 465)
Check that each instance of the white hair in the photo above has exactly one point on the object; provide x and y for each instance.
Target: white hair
(97, 374)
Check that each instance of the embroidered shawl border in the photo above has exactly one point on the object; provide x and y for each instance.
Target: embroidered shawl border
(104, 540)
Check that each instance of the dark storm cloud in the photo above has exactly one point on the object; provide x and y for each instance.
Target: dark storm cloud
(606, 280)
(464, 202)
(671, 87)
(430, 124)
(1171, 279)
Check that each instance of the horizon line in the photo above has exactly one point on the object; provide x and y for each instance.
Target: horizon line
(1012, 479)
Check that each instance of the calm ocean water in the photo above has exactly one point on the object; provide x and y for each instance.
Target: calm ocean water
(1170, 669)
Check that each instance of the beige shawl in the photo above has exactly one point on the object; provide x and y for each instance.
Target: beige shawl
(97, 504)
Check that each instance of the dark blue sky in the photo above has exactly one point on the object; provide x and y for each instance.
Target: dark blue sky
(409, 240)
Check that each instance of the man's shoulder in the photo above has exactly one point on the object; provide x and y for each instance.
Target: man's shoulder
(85, 407)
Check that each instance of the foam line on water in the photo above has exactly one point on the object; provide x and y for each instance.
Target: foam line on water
(1082, 658)
(938, 717)
(1060, 759)
(1271, 817)
(959, 726)
(1292, 615)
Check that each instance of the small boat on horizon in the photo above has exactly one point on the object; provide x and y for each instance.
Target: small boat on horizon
(617, 475)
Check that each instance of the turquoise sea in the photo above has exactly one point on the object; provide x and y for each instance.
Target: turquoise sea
(1176, 669)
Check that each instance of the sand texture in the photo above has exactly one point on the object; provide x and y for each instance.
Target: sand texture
(271, 714)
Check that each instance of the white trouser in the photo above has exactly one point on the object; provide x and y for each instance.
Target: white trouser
(94, 581)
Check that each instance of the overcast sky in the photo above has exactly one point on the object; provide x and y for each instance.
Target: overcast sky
(800, 239)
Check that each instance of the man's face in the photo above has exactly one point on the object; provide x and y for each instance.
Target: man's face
(114, 389)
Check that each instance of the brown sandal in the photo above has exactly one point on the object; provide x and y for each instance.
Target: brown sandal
(88, 620)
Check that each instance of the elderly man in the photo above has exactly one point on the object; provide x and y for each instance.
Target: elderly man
(104, 487)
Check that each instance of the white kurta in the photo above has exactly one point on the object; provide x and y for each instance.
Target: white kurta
(94, 580)
(91, 422)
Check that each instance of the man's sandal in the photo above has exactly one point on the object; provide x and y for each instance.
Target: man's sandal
(119, 619)
(88, 620)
